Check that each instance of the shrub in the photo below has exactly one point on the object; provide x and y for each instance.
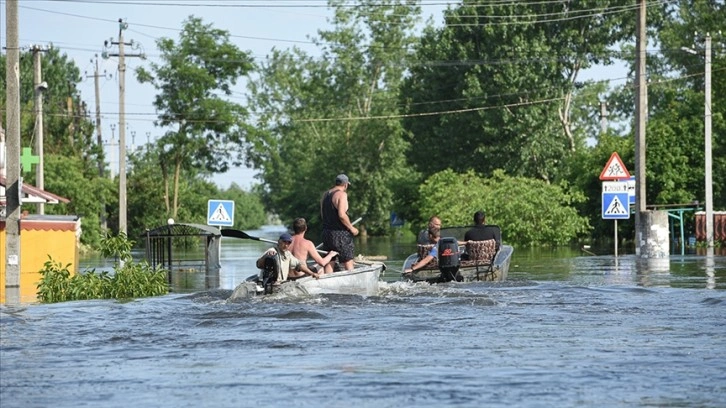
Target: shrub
(129, 280)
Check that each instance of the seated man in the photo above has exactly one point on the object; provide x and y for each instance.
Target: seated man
(482, 232)
(434, 235)
(302, 248)
(423, 236)
(286, 266)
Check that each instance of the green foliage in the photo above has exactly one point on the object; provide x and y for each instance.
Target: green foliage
(71, 151)
(67, 177)
(248, 208)
(55, 283)
(530, 212)
(320, 116)
(129, 280)
(67, 129)
(207, 129)
(494, 87)
(117, 247)
(149, 201)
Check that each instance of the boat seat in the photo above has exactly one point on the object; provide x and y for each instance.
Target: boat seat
(481, 256)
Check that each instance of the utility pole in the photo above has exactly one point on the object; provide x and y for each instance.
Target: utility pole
(12, 185)
(707, 126)
(40, 88)
(122, 118)
(641, 110)
(707, 134)
(603, 117)
(99, 137)
(111, 145)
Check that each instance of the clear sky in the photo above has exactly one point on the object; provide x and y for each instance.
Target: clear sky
(79, 28)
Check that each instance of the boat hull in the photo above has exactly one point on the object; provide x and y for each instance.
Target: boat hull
(362, 280)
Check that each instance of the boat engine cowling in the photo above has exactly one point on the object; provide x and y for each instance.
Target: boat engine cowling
(449, 259)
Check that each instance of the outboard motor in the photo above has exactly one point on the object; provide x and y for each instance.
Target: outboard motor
(449, 259)
(269, 274)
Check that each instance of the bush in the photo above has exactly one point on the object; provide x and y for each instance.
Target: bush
(530, 212)
(129, 280)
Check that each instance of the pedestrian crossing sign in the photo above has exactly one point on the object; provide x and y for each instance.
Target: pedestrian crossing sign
(614, 169)
(220, 213)
(615, 206)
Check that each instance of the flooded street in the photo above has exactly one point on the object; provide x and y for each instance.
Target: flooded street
(565, 330)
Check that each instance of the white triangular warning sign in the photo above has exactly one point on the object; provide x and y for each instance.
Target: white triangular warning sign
(614, 169)
(616, 207)
(220, 215)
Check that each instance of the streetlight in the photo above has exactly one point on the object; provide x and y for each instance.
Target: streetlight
(707, 135)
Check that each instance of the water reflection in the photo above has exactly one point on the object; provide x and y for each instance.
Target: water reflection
(710, 270)
(654, 272)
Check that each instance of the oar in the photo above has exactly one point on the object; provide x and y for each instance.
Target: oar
(352, 223)
(234, 233)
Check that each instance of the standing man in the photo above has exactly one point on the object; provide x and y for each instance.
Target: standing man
(302, 248)
(338, 231)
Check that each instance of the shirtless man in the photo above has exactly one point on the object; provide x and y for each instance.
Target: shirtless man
(302, 248)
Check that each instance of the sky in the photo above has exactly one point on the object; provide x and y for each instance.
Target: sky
(79, 28)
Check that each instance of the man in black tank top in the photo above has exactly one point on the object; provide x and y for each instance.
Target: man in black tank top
(338, 231)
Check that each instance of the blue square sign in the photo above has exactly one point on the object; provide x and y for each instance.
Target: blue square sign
(220, 213)
(615, 206)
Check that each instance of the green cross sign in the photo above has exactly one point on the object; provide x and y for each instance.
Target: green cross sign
(27, 159)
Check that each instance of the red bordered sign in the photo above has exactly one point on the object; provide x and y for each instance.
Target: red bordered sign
(614, 169)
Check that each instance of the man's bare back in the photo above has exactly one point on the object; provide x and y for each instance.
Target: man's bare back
(304, 249)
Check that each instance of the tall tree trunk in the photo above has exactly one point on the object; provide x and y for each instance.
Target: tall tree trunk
(165, 178)
(177, 173)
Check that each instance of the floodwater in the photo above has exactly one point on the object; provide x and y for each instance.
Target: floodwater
(566, 330)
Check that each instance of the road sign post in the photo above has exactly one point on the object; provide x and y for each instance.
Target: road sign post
(615, 195)
(615, 204)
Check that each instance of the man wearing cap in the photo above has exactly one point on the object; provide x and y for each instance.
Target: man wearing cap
(338, 231)
(286, 265)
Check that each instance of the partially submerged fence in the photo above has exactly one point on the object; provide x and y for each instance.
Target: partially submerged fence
(181, 248)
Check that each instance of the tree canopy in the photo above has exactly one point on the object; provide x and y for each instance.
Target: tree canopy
(194, 80)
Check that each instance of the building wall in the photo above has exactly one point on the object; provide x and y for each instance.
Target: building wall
(40, 239)
(719, 226)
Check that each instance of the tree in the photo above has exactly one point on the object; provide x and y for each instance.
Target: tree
(678, 108)
(538, 214)
(493, 88)
(206, 130)
(248, 208)
(320, 116)
(71, 152)
(69, 177)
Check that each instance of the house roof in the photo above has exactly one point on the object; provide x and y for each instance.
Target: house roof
(31, 194)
